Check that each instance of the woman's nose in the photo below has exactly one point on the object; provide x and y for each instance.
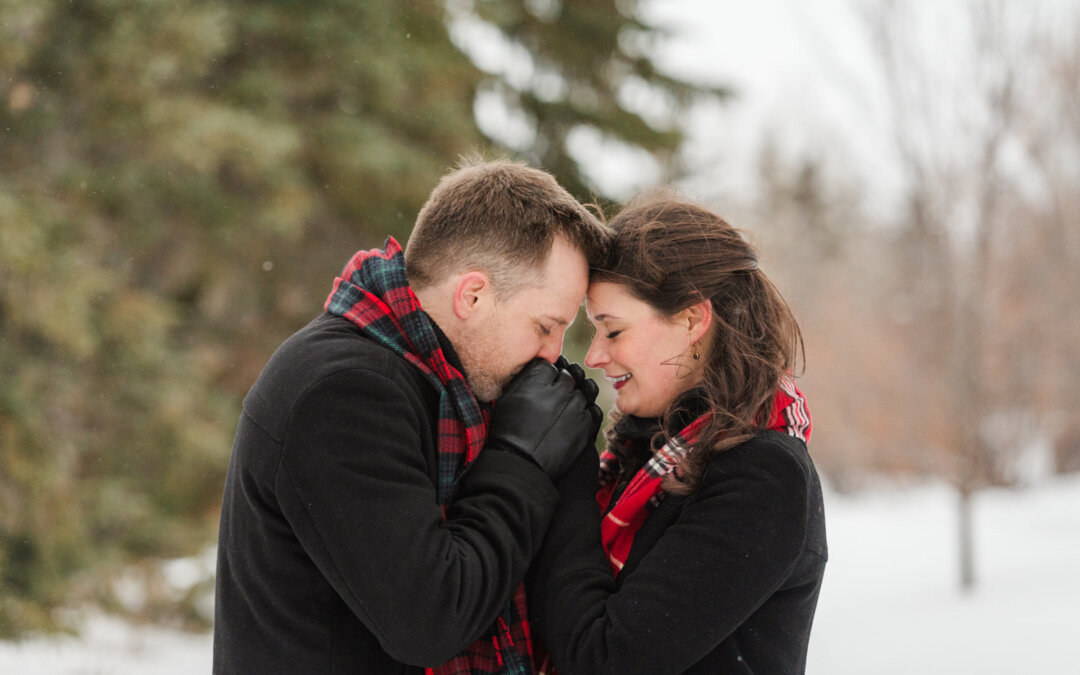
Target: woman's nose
(596, 357)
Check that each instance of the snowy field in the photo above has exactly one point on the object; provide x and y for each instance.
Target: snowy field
(891, 602)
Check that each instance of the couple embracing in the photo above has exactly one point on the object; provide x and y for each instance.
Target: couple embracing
(414, 485)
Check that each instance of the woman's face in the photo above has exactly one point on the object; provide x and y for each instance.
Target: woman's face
(644, 355)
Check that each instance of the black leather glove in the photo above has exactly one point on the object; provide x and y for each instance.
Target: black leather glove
(587, 386)
(544, 416)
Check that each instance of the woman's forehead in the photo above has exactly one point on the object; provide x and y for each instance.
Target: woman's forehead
(607, 300)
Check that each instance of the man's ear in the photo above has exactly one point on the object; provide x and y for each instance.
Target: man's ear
(698, 318)
(471, 294)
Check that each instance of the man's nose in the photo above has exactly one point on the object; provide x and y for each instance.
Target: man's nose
(551, 349)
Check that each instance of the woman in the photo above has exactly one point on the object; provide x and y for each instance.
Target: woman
(707, 552)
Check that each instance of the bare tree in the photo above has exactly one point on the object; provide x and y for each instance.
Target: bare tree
(960, 106)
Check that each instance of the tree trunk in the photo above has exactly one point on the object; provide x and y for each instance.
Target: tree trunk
(966, 538)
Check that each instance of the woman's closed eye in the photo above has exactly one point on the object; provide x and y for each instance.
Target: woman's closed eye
(613, 334)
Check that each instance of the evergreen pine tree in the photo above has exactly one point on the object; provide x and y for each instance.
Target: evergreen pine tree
(179, 183)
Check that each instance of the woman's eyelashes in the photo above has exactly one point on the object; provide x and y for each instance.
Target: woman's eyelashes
(608, 334)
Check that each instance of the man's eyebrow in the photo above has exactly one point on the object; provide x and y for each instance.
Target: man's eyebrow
(555, 319)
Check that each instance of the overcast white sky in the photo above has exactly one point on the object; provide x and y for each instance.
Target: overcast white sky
(802, 73)
(807, 76)
(803, 77)
(807, 80)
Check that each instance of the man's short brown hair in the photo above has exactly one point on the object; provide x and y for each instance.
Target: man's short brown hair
(500, 217)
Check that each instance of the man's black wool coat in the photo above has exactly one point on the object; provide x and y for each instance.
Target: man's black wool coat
(333, 556)
(723, 581)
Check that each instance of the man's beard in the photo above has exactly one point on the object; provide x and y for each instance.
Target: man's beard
(485, 388)
(486, 369)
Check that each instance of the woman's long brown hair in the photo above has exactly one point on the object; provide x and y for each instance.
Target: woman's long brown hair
(672, 254)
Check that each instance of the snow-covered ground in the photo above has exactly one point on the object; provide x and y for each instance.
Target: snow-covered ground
(891, 602)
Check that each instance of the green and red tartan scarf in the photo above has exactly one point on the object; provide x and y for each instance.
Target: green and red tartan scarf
(789, 415)
(373, 292)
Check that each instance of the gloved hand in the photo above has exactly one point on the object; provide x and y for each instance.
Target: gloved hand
(587, 386)
(544, 416)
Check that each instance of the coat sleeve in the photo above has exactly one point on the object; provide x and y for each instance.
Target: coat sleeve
(354, 484)
(735, 542)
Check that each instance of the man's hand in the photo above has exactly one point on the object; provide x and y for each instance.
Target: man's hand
(545, 415)
(588, 388)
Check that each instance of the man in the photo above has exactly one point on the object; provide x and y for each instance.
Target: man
(373, 519)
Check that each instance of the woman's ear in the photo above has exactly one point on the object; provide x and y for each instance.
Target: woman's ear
(471, 294)
(698, 317)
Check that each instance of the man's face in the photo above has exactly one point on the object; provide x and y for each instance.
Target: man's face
(530, 323)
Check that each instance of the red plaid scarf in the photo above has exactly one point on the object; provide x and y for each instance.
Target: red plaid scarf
(789, 415)
(373, 292)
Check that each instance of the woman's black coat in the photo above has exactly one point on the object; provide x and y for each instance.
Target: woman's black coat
(725, 580)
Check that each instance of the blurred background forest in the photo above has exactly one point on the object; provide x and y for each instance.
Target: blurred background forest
(181, 181)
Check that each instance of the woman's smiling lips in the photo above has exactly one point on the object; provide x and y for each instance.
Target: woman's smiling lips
(619, 381)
